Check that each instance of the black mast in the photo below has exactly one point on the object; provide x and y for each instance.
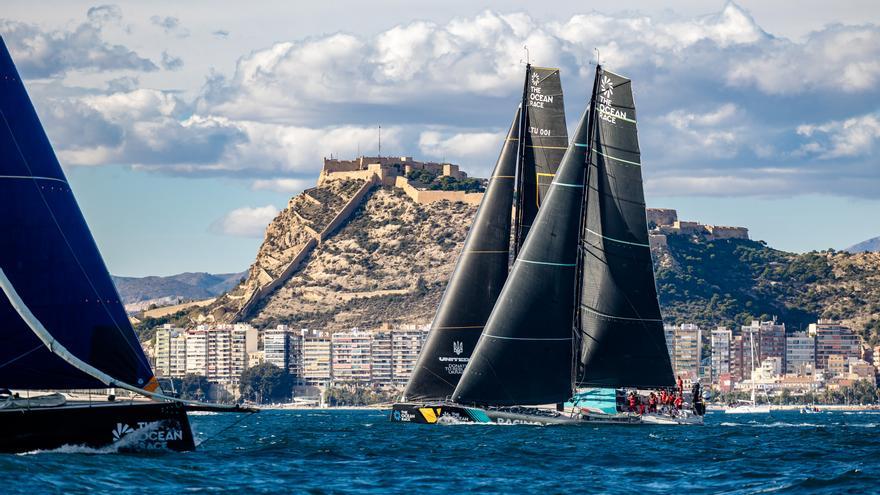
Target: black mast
(520, 161)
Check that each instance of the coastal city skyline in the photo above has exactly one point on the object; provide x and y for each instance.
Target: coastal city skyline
(742, 147)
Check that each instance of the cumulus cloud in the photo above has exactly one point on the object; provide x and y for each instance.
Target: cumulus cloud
(852, 137)
(724, 107)
(41, 54)
(245, 222)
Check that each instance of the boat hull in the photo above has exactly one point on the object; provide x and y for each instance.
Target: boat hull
(748, 410)
(449, 413)
(134, 426)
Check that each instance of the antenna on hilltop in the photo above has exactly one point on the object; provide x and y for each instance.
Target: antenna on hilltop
(380, 140)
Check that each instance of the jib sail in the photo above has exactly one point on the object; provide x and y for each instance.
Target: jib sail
(474, 286)
(525, 353)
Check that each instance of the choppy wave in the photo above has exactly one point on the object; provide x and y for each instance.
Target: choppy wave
(363, 452)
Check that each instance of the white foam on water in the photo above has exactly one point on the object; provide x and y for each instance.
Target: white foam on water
(129, 442)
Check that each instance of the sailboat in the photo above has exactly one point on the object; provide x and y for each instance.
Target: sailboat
(62, 325)
(577, 321)
(517, 186)
(749, 406)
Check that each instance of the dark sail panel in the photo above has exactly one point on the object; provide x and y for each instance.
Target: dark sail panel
(525, 353)
(49, 256)
(474, 286)
(546, 139)
(622, 329)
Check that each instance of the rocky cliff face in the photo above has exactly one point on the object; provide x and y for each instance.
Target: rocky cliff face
(388, 263)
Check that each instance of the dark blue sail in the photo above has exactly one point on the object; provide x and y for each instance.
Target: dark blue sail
(50, 258)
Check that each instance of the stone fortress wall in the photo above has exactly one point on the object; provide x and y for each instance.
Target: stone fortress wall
(664, 221)
(392, 171)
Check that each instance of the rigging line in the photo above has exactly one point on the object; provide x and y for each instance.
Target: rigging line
(137, 354)
(38, 347)
(439, 377)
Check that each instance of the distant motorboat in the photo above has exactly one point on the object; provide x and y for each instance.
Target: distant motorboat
(809, 410)
(747, 407)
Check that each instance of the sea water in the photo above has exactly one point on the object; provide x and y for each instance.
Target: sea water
(327, 451)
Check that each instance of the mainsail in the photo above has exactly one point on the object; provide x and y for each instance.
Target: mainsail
(525, 353)
(51, 265)
(544, 144)
(474, 286)
(622, 342)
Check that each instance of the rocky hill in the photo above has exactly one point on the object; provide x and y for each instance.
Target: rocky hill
(390, 257)
(388, 262)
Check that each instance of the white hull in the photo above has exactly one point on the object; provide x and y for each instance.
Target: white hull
(763, 409)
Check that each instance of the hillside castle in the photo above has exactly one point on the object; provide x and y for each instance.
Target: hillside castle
(392, 171)
(664, 221)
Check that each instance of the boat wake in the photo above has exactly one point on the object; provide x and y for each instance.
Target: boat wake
(130, 443)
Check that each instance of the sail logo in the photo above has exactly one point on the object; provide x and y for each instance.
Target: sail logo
(606, 87)
(121, 430)
(457, 347)
(536, 79)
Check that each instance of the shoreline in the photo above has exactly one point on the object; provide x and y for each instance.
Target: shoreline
(797, 407)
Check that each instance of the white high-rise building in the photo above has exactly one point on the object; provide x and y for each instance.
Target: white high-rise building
(687, 350)
(406, 343)
(170, 352)
(721, 339)
(351, 356)
(197, 351)
(316, 355)
(800, 354)
(382, 354)
(276, 345)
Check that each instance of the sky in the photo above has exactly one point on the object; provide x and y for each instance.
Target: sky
(184, 127)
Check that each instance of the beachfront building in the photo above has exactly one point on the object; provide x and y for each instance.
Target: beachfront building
(316, 352)
(687, 342)
(170, 352)
(382, 354)
(800, 354)
(406, 343)
(721, 340)
(282, 347)
(351, 356)
(197, 351)
(832, 338)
